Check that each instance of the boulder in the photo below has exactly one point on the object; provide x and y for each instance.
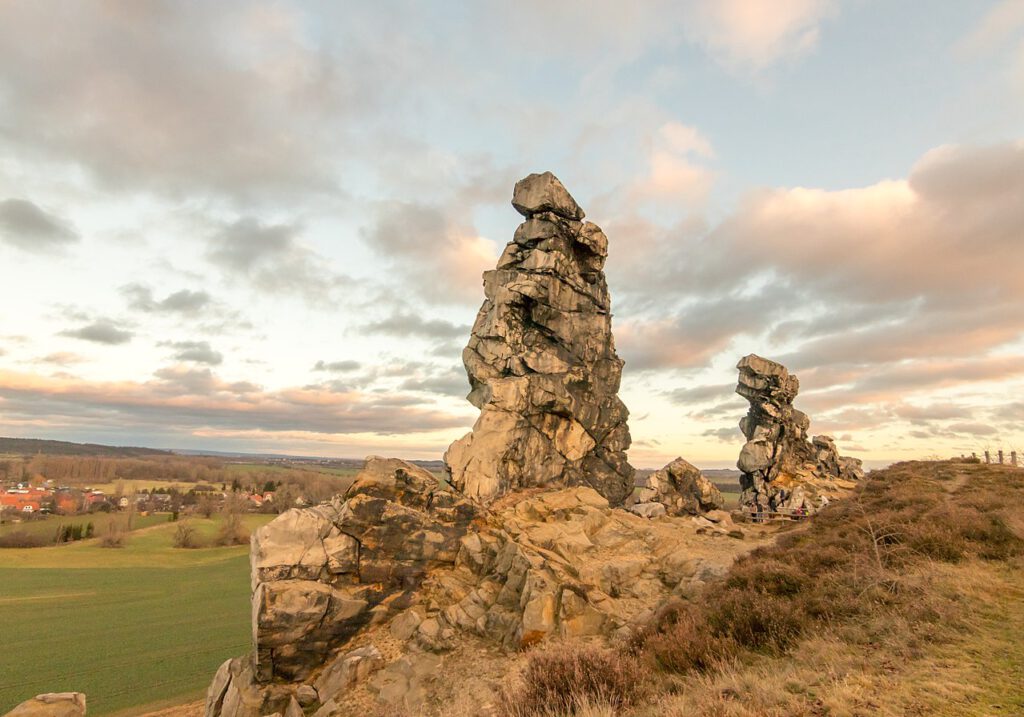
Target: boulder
(51, 704)
(680, 487)
(541, 361)
(648, 510)
(540, 193)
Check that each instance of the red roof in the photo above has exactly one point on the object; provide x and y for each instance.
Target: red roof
(19, 501)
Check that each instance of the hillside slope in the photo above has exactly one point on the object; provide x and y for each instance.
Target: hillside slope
(907, 599)
(32, 446)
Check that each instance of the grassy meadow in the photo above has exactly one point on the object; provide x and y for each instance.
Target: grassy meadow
(139, 625)
(102, 522)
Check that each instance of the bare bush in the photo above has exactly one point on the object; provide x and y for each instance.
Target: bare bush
(22, 539)
(185, 536)
(232, 531)
(113, 538)
(567, 680)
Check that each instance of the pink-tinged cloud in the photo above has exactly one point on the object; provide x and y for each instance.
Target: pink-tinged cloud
(183, 399)
(946, 233)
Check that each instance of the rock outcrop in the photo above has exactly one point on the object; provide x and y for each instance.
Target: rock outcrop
(781, 468)
(680, 487)
(558, 563)
(51, 704)
(536, 565)
(541, 361)
(320, 574)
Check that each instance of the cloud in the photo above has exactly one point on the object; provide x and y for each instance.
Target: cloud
(726, 435)
(689, 336)
(424, 243)
(102, 331)
(938, 234)
(62, 358)
(196, 352)
(271, 257)
(673, 177)
(974, 429)
(452, 382)
(700, 394)
(337, 366)
(750, 35)
(175, 99)
(744, 36)
(183, 301)
(1000, 23)
(27, 226)
(194, 400)
(406, 324)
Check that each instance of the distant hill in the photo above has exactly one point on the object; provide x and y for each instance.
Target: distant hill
(725, 478)
(32, 446)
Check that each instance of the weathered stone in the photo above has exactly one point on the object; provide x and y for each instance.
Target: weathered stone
(321, 574)
(293, 709)
(347, 670)
(680, 487)
(541, 361)
(778, 462)
(51, 704)
(234, 692)
(306, 695)
(543, 192)
(648, 510)
(404, 625)
(402, 684)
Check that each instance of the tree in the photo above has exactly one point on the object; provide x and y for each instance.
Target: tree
(185, 536)
(205, 506)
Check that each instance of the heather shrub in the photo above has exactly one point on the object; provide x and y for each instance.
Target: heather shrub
(567, 680)
(687, 643)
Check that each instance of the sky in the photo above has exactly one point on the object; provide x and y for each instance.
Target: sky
(261, 226)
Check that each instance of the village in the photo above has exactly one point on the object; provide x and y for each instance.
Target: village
(33, 500)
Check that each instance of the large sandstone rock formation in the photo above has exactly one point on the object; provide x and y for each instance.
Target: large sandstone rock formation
(781, 467)
(357, 594)
(541, 360)
(320, 574)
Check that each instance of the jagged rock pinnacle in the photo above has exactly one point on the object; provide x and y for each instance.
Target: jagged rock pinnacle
(541, 360)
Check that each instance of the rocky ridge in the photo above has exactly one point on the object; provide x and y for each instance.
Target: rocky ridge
(782, 468)
(534, 565)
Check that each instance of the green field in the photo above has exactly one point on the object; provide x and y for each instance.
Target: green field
(101, 523)
(130, 627)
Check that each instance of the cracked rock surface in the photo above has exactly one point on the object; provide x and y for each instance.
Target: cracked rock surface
(320, 574)
(541, 360)
(781, 468)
